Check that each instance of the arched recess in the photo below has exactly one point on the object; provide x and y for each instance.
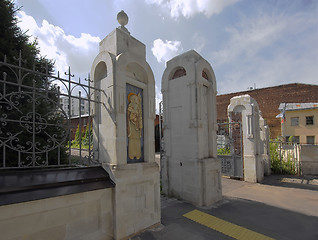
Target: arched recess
(127, 61)
(134, 70)
(177, 73)
(205, 71)
(236, 114)
(100, 71)
(207, 82)
(102, 67)
(238, 108)
(240, 104)
(100, 75)
(205, 75)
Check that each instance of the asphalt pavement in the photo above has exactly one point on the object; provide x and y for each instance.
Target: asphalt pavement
(282, 207)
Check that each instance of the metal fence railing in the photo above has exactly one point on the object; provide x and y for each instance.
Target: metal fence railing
(285, 157)
(230, 148)
(36, 118)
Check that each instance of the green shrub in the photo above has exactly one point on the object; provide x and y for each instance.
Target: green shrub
(82, 138)
(279, 165)
(224, 151)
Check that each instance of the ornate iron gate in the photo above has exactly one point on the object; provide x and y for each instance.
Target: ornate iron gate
(230, 148)
(36, 112)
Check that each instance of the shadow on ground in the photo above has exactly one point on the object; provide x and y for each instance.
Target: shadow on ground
(270, 221)
(309, 182)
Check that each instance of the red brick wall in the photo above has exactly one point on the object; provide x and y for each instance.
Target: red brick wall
(269, 99)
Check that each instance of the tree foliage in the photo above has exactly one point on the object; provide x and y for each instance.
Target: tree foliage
(13, 40)
(13, 44)
(281, 159)
(83, 138)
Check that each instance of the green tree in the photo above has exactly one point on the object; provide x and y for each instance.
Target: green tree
(88, 134)
(14, 42)
(78, 134)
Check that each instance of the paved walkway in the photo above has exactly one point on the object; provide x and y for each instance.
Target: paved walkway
(276, 193)
(271, 210)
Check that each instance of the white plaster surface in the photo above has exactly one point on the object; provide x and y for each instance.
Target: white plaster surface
(122, 60)
(264, 135)
(190, 170)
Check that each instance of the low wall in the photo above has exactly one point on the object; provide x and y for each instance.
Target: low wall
(308, 156)
(86, 215)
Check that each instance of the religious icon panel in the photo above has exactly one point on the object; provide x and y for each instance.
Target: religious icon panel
(134, 120)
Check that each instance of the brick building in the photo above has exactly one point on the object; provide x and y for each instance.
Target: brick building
(269, 99)
(75, 121)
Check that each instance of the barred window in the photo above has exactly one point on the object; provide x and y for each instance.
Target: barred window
(310, 139)
(310, 120)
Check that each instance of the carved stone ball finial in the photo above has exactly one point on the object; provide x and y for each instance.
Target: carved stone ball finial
(122, 18)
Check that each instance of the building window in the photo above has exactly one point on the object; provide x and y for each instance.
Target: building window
(310, 139)
(295, 121)
(310, 120)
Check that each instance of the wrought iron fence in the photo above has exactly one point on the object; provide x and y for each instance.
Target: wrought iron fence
(230, 148)
(36, 122)
(229, 138)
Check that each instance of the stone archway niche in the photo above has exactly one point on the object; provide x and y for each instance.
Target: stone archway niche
(252, 158)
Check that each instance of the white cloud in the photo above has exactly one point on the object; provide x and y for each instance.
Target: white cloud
(158, 2)
(251, 36)
(268, 49)
(189, 8)
(66, 50)
(199, 42)
(165, 50)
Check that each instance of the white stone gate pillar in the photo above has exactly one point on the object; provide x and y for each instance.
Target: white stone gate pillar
(264, 135)
(126, 129)
(252, 159)
(191, 170)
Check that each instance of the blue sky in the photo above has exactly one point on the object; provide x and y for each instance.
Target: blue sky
(247, 42)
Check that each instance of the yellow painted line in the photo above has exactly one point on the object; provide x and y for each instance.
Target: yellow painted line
(227, 228)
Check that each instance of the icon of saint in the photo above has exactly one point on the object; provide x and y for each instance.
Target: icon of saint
(134, 125)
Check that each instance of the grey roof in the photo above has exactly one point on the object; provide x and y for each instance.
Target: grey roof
(297, 106)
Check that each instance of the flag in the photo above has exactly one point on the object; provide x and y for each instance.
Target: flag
(284, 117)
(282, 114)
